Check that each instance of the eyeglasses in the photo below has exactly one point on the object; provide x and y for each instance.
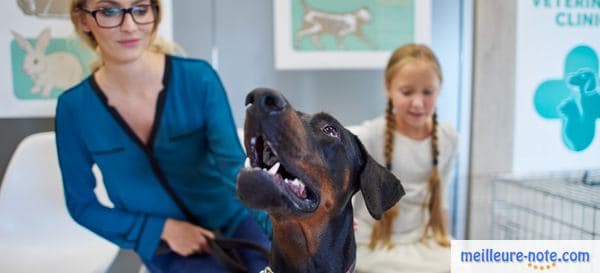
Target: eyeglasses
(112, 17)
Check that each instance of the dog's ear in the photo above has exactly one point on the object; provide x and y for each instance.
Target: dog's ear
(380, 188)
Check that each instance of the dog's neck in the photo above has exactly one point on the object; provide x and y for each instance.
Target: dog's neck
(303, 246)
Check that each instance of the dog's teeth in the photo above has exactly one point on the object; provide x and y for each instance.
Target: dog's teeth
(253, 141)
(273, 170)
(247, 163)
(297, 182)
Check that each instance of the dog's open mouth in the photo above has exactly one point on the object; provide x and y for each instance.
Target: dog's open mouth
(266, 163)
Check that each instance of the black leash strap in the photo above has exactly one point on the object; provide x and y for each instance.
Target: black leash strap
(224, 250)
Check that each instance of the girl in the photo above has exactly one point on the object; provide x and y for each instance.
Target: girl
(147, 119)
(409, 141)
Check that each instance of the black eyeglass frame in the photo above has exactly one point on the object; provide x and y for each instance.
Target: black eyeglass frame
(124, 11)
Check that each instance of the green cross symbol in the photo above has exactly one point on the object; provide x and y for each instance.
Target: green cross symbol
(575, 99)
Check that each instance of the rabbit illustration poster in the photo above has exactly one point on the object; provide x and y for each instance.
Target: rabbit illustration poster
(557, 87)
(43, 55)
(351, 34)
(44, 67)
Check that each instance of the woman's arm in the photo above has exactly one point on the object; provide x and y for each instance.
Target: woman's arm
(223, 141)
(136, 231)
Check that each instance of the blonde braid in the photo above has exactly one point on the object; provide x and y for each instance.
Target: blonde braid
(382, 229)
(436, 222)
(390, 126)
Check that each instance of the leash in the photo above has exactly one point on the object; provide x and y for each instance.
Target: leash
(224, 250)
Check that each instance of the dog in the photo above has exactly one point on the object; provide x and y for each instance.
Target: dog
(316, 23)
(304, 170)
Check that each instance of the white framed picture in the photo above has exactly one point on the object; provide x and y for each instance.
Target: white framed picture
(346, 34)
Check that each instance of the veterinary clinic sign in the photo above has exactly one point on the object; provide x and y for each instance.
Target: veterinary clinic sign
(42, 57)
(557, 95)
(571, 13)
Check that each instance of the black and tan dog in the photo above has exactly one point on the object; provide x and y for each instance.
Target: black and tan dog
(304, 171)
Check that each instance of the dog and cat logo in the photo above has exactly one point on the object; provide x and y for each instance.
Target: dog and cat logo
(574, 100)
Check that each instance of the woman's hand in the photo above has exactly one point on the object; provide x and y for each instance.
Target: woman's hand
(185, 238)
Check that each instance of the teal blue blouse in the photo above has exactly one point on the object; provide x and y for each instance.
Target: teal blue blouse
(193, 146)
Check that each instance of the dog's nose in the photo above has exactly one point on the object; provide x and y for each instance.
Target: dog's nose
(266, 100)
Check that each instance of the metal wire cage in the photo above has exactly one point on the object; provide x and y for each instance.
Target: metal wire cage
(552, 206)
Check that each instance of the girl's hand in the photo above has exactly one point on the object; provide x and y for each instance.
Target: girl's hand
(186, 239)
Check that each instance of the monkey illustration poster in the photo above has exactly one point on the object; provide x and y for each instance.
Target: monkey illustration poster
(557, 86)
(346, 34)
(43, 56)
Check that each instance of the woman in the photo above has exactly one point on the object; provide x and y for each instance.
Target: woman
(146, 118)
(409, 141)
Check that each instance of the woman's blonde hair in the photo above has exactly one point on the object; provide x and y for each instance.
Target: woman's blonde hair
(157, 44)
(382, 229)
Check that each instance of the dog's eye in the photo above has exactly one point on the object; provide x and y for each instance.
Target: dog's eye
(331, 131)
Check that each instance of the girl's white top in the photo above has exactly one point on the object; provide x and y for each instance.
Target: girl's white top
(412, 164)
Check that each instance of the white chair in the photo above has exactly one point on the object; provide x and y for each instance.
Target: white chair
(36, 232)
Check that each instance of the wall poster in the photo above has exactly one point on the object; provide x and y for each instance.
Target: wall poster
(346, 34)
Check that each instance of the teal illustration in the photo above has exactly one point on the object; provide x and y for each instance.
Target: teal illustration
(44, 67)
(352, 25)
(574, 100)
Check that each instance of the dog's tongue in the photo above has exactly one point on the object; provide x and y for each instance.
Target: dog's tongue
(297, 187)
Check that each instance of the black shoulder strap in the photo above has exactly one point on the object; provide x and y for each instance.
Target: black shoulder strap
(165, 184)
